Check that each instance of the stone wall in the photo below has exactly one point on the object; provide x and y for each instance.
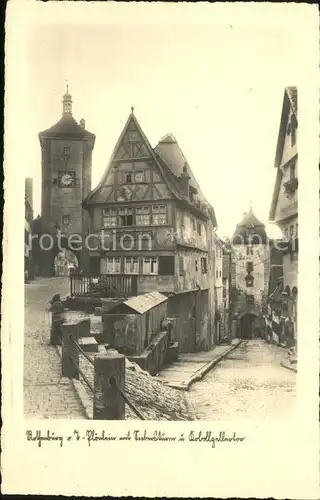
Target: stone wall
(154, 356)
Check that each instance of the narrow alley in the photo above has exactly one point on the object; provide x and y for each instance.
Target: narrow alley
(249, 383)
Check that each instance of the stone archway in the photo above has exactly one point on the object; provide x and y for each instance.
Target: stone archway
(249, 326)
(64, 261)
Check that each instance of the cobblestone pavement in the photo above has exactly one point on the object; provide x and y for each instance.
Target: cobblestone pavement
(46, 393)
(248, 383)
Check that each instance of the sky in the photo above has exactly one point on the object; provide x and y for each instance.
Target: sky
(183, 81)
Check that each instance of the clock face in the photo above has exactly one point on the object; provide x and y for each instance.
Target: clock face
(67, 179)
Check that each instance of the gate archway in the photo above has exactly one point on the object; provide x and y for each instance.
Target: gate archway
(249, 326)
(64, 261)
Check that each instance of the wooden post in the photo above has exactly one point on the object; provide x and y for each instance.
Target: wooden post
(70, 350)
(56, 322)
(108, 404)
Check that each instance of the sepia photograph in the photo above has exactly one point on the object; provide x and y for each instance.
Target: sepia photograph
(160, 327)
(159, 284)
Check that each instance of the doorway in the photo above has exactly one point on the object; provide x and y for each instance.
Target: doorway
(247, 326)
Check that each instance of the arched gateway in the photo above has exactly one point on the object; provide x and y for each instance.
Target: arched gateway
(249, 325)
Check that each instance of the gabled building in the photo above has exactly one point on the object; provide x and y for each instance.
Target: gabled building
(154, 227)
(284, 208)
(250, 275)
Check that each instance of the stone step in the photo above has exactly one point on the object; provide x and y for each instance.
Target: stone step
(88, 344)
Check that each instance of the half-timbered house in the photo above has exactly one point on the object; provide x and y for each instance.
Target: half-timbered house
(154, 227)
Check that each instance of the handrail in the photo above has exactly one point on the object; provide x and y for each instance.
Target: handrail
(82, 374)
(82, 351)
(114, 384)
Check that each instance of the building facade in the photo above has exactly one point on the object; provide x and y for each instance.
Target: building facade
(250, 276)
(66, 150)
(284, 212)
(153, 224)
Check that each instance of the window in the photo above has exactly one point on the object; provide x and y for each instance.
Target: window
(196, 265)
(193, 225)
(181, 266)
(109, 217)
(131, 265)
(113, 265)
(199, 228)
(138, 176)
(150, 265)
(291, 230)
(217, 273)
(297, 229)
(143, 216)
(249, 250)
(250, 299)
(128, 177)
(292, 171)
(159, 215)
(166, 265)
(66, 220)
(132, 176)
(66, 153)
(286, 233)
(190, 194)
(125, 216)
(220, 273)
(249, 266)
(204, 265)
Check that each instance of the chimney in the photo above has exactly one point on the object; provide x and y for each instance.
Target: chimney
(82, 123)
(29, 190)
(184, 180)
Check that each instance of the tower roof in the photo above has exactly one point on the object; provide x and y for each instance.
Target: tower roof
(67, 125)
(250, 220)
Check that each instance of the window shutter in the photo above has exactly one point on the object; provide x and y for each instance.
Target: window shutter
(166, 265)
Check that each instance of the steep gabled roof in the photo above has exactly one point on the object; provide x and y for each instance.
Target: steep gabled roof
(66, 127)
(131, 120)
(290, 101)
(171, 154)
(170, 168)
(250, 220)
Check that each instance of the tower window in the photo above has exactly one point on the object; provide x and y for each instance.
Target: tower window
(199, 228)
(66, 220)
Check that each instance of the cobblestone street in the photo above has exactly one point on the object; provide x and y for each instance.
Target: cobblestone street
(46, 393)
(249, 383)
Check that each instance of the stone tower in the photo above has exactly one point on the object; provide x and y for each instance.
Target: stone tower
(66, 149)
(250, 274)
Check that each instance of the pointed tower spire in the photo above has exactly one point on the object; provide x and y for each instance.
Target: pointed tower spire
(67, 101)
